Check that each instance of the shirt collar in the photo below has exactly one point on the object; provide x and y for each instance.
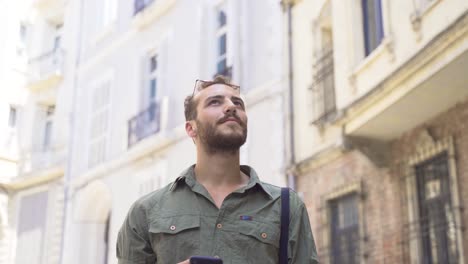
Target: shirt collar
(188, 176)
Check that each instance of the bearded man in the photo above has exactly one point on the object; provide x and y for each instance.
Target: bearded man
(217, 207)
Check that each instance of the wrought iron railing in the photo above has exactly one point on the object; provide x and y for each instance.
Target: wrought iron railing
(346, 250)
(140, 5)
(144, 124)
(323, 87)
(433, 239)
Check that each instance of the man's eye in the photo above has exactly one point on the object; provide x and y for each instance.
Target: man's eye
(239, 103)
(215, 102)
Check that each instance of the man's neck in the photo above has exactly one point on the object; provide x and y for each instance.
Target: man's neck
(220, 169)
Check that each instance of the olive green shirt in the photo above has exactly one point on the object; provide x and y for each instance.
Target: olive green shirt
(180, 220)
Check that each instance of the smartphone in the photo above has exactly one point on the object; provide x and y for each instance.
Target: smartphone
(205, 260)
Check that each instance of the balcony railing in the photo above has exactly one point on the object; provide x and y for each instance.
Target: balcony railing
(140, 5)
(323, 87)
(46, 65)
(144, 124)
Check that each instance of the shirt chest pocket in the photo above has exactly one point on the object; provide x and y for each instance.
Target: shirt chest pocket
(175, 238)
(257, 242)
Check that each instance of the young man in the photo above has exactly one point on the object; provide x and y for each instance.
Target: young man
(216, 207)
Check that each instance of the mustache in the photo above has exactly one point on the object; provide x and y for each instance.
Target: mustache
(233, 115)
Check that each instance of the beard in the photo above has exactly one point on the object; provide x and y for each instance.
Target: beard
(217, 141)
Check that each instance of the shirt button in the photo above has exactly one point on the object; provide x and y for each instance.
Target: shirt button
(264, 235)
(172, 227)
(219, 226)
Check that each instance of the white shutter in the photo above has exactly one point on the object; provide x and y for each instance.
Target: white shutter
(99, 123)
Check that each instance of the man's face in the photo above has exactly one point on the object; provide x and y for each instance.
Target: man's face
(221, 122)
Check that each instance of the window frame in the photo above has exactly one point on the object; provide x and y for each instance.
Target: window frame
(337, 232)
(352, 188)
(222, 31)
(426, 149)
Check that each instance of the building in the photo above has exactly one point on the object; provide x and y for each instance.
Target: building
(32, 73)
(103, 116)
(381, 141)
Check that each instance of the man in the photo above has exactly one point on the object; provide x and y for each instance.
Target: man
(216, 207)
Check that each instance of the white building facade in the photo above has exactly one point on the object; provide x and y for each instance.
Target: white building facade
(105, 112)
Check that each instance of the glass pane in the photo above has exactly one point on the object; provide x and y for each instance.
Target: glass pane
(153, 87)
(12, 117)
(47, 134)
(153, 63)
(221, 68)
(222, 44)
(373, 28)
(221, 18)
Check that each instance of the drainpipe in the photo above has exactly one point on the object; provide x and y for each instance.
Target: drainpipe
(291, 177)
(71, 136)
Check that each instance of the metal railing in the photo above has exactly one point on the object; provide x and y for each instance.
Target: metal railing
(46, 65)
(323, 87)
(344, 250)
(140, 5)
(144, 124)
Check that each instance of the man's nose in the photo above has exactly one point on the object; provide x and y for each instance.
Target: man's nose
(230, 107)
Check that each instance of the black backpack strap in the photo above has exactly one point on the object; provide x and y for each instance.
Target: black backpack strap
(284, 237)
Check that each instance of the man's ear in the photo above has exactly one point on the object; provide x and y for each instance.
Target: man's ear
(191, 129)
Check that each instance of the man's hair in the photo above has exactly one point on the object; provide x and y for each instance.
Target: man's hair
(190, 105)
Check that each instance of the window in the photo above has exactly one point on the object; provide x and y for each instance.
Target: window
(436, 216)
(99, 126)
(48, 128)
(58, 37)
(31, 228)
(105, 14)
(222, 67)
(140, 5)
(12, 117)
(153, 76)
(373, 27)
(106, 239)
(23, 35)
(434, 232)
(344, 230)
(323, 83)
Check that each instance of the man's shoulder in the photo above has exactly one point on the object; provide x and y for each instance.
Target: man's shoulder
(152, 199)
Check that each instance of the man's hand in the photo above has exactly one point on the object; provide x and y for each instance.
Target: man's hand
(185, 262)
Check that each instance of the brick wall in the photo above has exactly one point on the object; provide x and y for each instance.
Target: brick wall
(384, 200)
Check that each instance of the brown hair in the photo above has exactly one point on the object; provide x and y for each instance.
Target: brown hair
(190, 105)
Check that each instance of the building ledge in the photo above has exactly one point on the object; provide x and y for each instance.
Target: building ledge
(34, 179)
(151, 145)
(152, 12)
(52, 10)
(412, 94)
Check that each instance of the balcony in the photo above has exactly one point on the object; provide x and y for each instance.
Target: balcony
(146, 11)
(52, 10)
(425, 86)
(323, 88)
(144, 124)
(46, 70)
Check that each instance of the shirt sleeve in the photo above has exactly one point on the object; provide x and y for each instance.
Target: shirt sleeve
(301, 246)
(133, 243)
